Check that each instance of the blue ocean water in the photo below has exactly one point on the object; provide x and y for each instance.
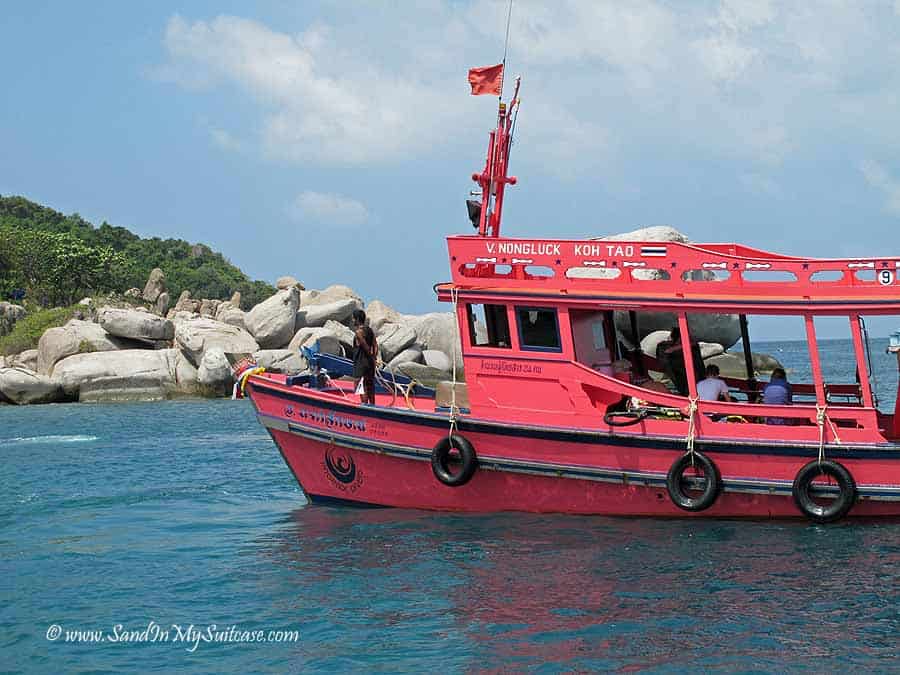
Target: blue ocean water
(183, 513)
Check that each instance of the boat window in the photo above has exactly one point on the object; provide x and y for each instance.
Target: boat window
(650, 274)
(838, 359)
(826, 276)
(538, 329)
(777, 276)
(593, 273)
(865, 275)
(540, 271)
(590, 334)
(706, 275)
(488, 326)
(881, 362)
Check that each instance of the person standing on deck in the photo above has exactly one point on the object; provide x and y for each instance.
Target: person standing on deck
(365, 355)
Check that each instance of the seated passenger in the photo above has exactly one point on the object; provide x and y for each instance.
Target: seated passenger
(778, 392)
(713, 388)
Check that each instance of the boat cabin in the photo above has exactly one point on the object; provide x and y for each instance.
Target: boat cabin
(551, 330)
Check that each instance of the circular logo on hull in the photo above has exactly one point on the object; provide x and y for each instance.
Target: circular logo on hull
(340, 465)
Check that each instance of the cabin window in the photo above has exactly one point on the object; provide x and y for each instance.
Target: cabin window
(538, 329)
(488, 326)
(591, 339)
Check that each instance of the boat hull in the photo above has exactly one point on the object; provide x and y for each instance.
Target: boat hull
(376, 456)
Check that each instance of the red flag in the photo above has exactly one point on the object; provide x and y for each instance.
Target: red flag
(486, 80)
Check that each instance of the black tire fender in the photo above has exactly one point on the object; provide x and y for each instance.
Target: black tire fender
(675, 482)
(839, 508)
(440, 460)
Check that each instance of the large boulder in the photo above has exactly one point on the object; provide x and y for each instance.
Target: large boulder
(74, 338)
(214, 372)
(280, 361)
(27, 359)
(9, 315)
(733, 365)
(393, 338)
(195, 336)
(425, 374)
(409, 355)
(316, 315)
(437, 330)
(438, 359)
(653, 233)
(228, 313)
(378, 314)
(208, 308)
(342, 333)
(271, 322)
(162, 304)
(184, 302)
(334, 293)
(307, 337)
(156, 284)
(22, 386)
(128, 323)
(287, 282)
(130, 374)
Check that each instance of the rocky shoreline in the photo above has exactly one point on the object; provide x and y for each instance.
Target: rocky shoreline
(145, 350)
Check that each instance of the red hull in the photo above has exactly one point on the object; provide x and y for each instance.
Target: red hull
(339, 450)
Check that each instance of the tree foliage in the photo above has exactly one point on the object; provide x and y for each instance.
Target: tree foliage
(57, 259)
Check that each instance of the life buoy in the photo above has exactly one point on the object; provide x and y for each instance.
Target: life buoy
(803, 486)
(628, 417)
(441, 460)
(679, 486)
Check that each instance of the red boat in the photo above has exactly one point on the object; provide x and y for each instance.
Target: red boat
(558, 412)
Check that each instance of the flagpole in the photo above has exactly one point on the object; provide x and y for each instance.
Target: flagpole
(505, 48)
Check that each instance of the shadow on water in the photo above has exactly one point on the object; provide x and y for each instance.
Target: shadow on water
(513, 590)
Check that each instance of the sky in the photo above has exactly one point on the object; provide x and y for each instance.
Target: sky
(334, 141)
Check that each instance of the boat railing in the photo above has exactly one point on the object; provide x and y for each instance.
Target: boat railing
(664, 267)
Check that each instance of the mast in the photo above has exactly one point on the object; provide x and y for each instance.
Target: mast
(494, 177)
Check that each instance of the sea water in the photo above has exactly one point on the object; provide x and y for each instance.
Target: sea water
(162, 536)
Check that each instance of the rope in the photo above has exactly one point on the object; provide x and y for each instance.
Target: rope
(247, 373)
(692, 432)
(454, 297)
(821, 418)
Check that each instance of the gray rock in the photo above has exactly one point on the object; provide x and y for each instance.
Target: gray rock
(425, 374)
(162, 304)
(156, 284)
(394, 338)
(195, 336)
(437, 330)
(287, 282)
(764, 363)
(73, 338)
(378, 314)
(9, 315)
(342, 333)
(184, 302)
(116, 371)
(134, 293)
(710, 349)
(214, 372)
(22, 386)
(271, 322)
(307, 297)
(653, 233)
(280, 361)
(316, 315)
(119, 389)
(208, 308)
(409, 355)
(128, 323)
(306, 337)
(236, 299)
(438, 359)
(335, 293)
(27, 359)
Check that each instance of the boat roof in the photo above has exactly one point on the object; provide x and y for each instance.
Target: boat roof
(668, 275)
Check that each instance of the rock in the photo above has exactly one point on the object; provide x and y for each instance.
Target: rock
(162, 304)
(280, 361)
(335, 293)
(723, 329)
(306, 337)
(378, 314)
(393, 339)
(184, 303)
(195, 336)
(128, 323)
(307, 297)
(732, 365)
(710, 349)
(74, 338)
(129, 374)
(287, 282)
(9, 315)
(208, 308)
(764, 363)
(187, 379)
(342, 333)
(439, 360)
(134, 293)
(425, 374)
(437, 330)
(22, 386)
(155, 285)
(316, 315)
(236, 299)
(27, 359)
(653, 233)
(214, 372)
(233, 317)
(409, 355)
(271, 322)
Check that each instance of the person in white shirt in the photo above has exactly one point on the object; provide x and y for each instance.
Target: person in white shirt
(713, 388)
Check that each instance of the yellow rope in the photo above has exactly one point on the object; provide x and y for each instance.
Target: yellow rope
(247, 373)
(692, 410)
(821, 418)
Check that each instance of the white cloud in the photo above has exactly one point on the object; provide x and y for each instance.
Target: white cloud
(226, 140)
(328, 209)
(878, 177)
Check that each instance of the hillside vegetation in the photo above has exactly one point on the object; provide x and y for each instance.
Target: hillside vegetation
(58, 259)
